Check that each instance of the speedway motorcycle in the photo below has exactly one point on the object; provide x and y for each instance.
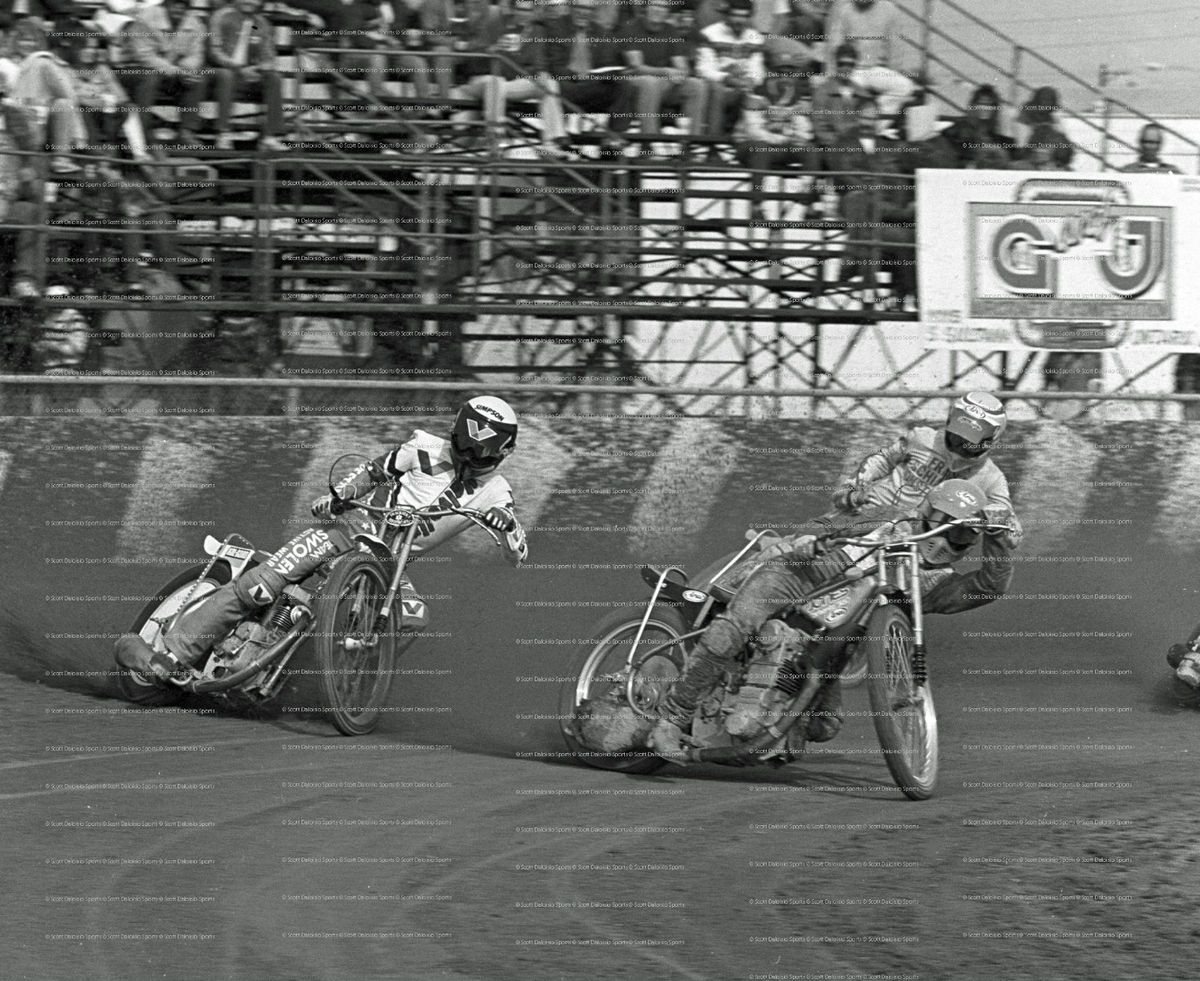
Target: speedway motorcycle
(1180, 691)
(865, 623)
(340, 622)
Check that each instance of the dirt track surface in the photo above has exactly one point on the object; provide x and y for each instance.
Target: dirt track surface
(144, 844)
(456, 842)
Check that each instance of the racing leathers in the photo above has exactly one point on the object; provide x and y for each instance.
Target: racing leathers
(902, 473)
(895, 480)
(421, 472)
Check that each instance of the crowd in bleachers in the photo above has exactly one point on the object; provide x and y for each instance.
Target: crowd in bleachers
(820, 86)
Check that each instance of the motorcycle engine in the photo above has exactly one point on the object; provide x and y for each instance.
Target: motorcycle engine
(775, 644)
(246, 642)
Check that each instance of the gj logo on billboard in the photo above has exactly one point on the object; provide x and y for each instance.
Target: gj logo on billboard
(1020, 261)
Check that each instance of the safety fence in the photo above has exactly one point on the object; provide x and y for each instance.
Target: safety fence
(301, 398)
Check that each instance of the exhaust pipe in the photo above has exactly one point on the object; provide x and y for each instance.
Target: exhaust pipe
(746, 754)
(269, 656)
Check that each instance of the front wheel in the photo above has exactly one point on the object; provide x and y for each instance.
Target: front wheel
(904, 717)
(354, 674)
(150, 625)
(595, 691)
(855, 671)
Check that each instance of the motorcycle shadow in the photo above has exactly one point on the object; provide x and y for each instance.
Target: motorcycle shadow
(1170, 696)
(836, 775)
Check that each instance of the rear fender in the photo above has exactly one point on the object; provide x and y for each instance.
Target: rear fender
(238, 558)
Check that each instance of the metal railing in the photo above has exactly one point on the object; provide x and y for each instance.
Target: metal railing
(1016, 73)
(197, 397)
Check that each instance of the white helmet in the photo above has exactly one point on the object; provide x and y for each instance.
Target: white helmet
(975, 422)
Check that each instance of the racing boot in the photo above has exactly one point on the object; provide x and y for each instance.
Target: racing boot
(826, 714)
(667, 737)
(1188, 670)
(195, 633)
(666, 741)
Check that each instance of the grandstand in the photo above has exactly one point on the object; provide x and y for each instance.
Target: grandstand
(400, 233)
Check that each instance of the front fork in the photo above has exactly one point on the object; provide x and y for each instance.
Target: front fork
(385, 611)
(917, 608)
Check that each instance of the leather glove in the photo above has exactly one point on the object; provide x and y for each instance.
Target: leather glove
(849, 498)
(500, 519)
(1009, 539)
(796, 547)
(326, 507)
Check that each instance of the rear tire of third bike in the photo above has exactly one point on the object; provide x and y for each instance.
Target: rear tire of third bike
(907, 732)
(353, 686)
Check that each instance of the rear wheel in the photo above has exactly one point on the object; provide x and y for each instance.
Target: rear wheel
(150, 624)
(601, 680)
(904, 716)
(353, 679)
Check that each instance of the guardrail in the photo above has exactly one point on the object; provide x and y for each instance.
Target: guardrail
(296, 398)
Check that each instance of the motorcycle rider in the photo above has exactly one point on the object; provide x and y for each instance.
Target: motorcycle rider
(900, 477)
(458, 469)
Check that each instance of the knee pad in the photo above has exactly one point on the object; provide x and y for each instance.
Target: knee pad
(724, 636)
(259, 586)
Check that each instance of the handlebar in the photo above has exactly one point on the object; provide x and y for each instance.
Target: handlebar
(405, 515)
(873, 545)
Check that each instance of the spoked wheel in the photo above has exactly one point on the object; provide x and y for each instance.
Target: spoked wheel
(150, 623)
(904, 716)
(354, 668)
(597, 694)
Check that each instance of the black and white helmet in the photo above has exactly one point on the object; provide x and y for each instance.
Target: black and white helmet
(484, 433)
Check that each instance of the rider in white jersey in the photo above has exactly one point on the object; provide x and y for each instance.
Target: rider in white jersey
(458, 470)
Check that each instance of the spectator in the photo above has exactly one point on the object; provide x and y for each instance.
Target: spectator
(44, 89)
(167, 44)
(520, 77)
(105, 105)
(878, 202)
(584, 60)
(1040, 114)
(242, 47)
(63, 340)
(774, 130)
(797, 35)
(352, 24)
(54, 11)
(873, 27)
(1187, 382)
(1150, 142)
(761, 18)
(660, 68)
(479, 32)
(730, 59)
(836, 100)
(977, 135)
(1043, 150)
(419, 25)
(19, 189)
